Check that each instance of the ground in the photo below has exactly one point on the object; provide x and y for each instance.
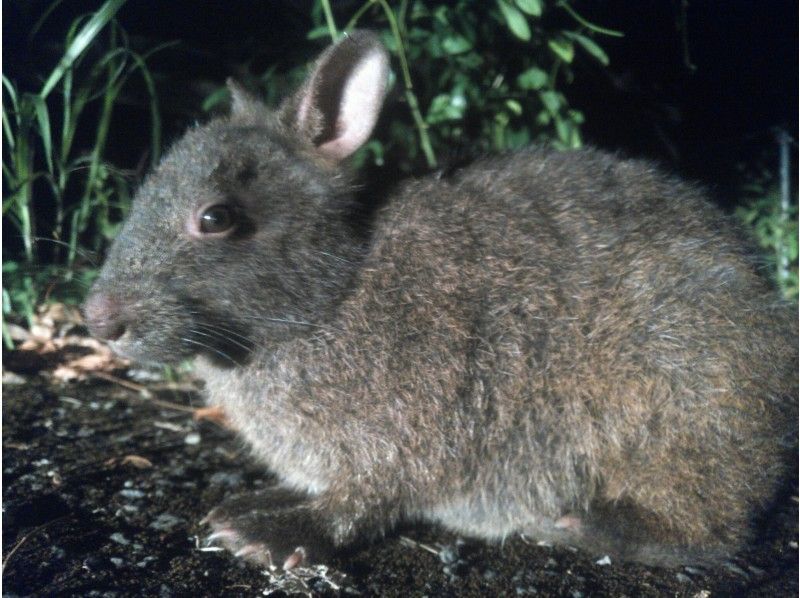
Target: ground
(105, 482)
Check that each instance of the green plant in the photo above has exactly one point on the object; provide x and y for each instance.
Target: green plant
(61, 200)
(487, 76)
(770, 211)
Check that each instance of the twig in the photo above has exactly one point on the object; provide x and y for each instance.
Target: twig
(414, 544)
(24, 538)
(142, 390)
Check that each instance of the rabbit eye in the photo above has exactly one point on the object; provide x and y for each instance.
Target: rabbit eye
(217, 219)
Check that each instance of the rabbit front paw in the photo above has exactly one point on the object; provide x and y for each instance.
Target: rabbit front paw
(269, 528)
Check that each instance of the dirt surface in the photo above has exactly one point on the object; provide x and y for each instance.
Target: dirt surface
(103, 490)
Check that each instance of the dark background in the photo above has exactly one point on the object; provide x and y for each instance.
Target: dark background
(701, 96)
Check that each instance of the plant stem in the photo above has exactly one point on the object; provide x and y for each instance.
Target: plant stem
(326, 8)
(411, 98)
(596, 28)
(92, 180)
(783, 258)
(354, 19)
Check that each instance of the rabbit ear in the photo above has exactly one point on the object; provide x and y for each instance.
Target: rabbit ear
(244, 106)
(337, 107)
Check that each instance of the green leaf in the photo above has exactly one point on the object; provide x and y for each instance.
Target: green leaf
(43, 119)
(446, 107)
(82, 40)
(456, 44)
(576, 116)
(12, 93)
(563, 129)
(318, 32)
(502, 119)
(515, 20)
(543, 118)
(514, 106)
(590, 46)
(551, 101)
(562, 48)
(532, 7)
(215, 98)
(533, 78)
(517, 139)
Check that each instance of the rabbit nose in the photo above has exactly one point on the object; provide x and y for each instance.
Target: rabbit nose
(104, 316)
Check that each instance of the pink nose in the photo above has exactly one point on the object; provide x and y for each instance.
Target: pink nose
(104, 316)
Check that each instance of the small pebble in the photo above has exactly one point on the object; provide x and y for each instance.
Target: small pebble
(85, 432)
(226, 479)
(119, 538)
(57, 553)
(606, 560)
(93, 563)
(733, 568)
(145, 561)
(448, 555)
(11, 378)
(165, 522)
(142, 375)
(132, 493)
(116, 561)
(192, 439)
(693, 571)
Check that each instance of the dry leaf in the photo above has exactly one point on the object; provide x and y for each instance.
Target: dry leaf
(137, 461)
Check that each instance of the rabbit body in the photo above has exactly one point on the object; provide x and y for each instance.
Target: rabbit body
(568, 345)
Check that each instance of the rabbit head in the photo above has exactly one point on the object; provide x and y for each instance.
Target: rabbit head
(242, 235)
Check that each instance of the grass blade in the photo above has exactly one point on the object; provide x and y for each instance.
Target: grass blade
(84, 37)
(43, 119)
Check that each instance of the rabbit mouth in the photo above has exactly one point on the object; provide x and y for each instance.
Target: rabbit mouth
(224, 343)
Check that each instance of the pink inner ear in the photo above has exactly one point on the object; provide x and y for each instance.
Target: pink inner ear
(359, 107)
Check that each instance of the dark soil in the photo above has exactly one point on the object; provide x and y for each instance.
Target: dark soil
(81, 520)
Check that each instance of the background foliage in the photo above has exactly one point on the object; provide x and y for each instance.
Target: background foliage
(470, 77)
(59, 200)
(474, 76)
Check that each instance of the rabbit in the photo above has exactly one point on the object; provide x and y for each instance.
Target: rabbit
(568, 345)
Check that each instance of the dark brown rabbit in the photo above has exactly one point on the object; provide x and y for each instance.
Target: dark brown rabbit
(569, 345)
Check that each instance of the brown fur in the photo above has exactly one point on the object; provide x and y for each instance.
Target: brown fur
(544, 335)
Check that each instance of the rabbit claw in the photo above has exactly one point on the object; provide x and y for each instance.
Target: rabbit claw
(267, 532)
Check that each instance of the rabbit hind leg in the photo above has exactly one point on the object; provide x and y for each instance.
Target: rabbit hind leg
(624, 530)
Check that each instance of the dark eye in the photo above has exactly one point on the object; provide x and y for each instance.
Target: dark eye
(217, 219)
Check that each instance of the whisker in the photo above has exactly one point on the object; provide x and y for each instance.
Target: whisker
(222, 338)
(214, 349)
(287, 321)
(335, 257)
(90, 256)
(218, 328)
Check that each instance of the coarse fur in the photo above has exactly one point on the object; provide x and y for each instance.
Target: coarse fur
(569, 345)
